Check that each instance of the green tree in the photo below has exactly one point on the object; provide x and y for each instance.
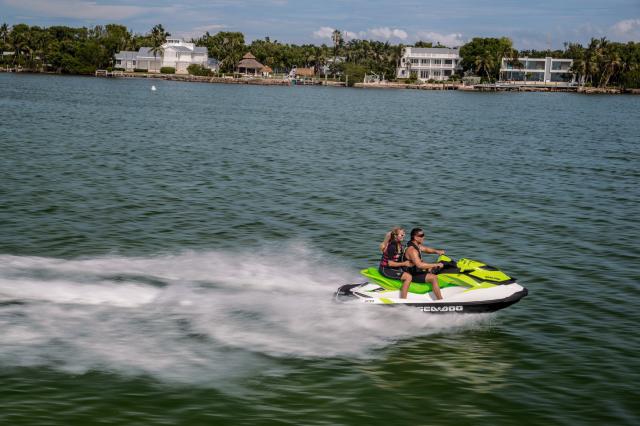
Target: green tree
(423, 44)
(352, 73)
(611, 63)
(20, 43)
(4, 35)
(227, 47)
(485, 64)
(483, 56)
(116, 38)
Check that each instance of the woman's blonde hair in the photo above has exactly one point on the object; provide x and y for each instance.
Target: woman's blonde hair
(395, 231)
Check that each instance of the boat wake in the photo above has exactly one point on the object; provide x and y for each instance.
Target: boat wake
(193, 316)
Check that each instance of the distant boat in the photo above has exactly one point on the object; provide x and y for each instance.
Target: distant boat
(153, 88)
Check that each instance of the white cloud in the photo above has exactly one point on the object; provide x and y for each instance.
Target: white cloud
(78, 9)
(213, 28)
(450, 40)
(387, 33)
(350, 35)
(198, 32)
(628, 29)
(324, 32)
(381, 33)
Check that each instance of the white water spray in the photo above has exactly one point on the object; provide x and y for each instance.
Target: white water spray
(191, 316)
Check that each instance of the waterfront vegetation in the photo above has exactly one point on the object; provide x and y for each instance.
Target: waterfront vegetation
(62, 49)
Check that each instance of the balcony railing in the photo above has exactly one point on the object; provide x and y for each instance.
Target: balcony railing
(434, 55)
(429, 66)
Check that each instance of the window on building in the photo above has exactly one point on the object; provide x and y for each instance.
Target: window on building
(424, 61)
(561, 77)
(535, 65)
(448, 61)
(414, 61)
(424, 74)
(560, 66)
(534, 76)
(437, 61)
(447, 72)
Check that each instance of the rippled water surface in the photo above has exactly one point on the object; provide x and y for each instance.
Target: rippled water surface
(169, 257)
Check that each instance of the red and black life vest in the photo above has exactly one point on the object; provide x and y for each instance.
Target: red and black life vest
(394, 252)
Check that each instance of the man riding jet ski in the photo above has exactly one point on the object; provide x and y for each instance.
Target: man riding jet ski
(464, 286)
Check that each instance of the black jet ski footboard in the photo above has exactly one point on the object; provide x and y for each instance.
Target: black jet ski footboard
(346, 291)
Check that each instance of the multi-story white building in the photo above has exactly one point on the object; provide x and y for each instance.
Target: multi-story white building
(429, 63)
(175, 53)
(544, 70)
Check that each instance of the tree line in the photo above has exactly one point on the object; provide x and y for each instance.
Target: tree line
(601, 63)
(69, 50)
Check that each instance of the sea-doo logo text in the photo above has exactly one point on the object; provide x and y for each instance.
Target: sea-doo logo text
(441, 308)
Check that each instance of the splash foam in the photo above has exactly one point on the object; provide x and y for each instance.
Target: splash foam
(193, 315)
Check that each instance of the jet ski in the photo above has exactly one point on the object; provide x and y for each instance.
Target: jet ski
(467, 286)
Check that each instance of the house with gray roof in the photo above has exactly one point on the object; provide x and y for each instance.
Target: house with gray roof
(429, 63)
(174, 53)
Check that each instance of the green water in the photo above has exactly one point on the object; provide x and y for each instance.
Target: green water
(169, 257)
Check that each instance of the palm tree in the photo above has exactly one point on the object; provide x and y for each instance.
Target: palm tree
(591, 60)
(4, 33)
(611, 64)
(158, 38)
(41, 40)
(309, 56)
(231, 50)
(319, 58)
(338, 41)
(485, 64)
(395, 56)
(511, 56)
(20, 46)
(579, 67)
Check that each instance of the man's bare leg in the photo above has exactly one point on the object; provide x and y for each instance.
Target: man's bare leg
(406, 281)
(433, 279)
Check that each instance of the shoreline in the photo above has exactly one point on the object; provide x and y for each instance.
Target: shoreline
(260, 81)
(504, 87)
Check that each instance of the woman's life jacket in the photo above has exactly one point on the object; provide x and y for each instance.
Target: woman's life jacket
(393, 252)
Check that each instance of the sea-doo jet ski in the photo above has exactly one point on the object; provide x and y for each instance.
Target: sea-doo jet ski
(467, 286)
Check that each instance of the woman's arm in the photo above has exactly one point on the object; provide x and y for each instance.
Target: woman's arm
(394, 264)
(385, 242)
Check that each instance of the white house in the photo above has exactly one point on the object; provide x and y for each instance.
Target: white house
(437, 63)
(544, 70)
(174, 53)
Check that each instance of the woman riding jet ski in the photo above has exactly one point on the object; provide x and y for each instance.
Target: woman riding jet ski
(466, 286)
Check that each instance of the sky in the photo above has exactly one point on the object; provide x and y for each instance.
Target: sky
(530, 24)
